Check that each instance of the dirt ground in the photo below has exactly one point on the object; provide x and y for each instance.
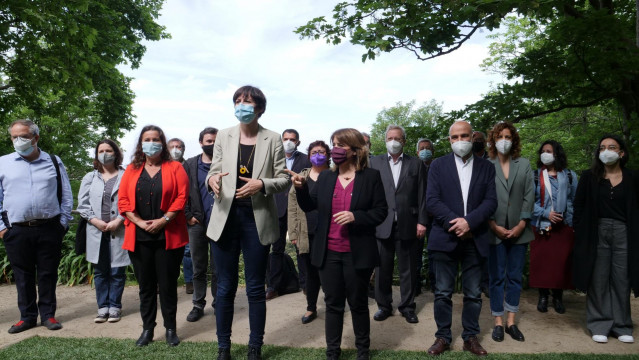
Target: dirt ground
(549, 332)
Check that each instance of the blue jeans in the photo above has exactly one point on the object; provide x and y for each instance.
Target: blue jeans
(240, 234)
(187, 265)
(446, 266)
(109, 281)
(506, 263)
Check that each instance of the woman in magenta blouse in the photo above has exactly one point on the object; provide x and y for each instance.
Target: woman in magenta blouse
(350, 202)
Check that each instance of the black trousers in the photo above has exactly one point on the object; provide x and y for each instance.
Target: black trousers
(35, 252)
(312, 277)
(275, 276)
(341, 282)
(157, 268)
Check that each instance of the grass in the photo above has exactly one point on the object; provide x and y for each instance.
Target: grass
(106, 348)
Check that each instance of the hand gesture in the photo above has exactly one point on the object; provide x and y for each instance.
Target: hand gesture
(555, 217)
(297, 179)
(459, 226)
(249, 189)
(113, 225)
(215, 182)
(155, 226)
(192, 221)
(343, 217)
(101, 225)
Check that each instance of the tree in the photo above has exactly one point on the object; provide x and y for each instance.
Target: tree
(583, 53)
(426, 121)
(58, 67)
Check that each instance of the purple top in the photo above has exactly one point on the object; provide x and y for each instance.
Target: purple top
(338, 234)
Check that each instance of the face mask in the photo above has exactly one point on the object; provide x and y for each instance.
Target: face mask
(245, 113)
(318, 159)
(208, 149)
(150, 148)
(23, 146)
(338, 155)
(289, 146)
(394, 147)
(176, 154)
(547, 158)
(608, 157)
(503, 146)
(106, 158)
(478, 146)
(425, 154)
(462, 148)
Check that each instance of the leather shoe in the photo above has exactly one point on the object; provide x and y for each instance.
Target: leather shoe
(308, 319)
(498, 333)
(223, 354)
(381, 315)
(514, 333)
(52, 324)
(438, 347)
(271, 294)
(195, 314)
(542, 305)
(254, 353)
(172, 338)
(559, 305)
(189, 287)
(473, 345)
(21, 326)
(410, 317)
(145, 338)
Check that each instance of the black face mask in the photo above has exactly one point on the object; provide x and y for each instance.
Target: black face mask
(208, 149)
(478, 146)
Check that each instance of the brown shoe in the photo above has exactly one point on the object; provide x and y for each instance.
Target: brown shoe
(189, 288)
(473, 345)
(438, 347)
(271, 294)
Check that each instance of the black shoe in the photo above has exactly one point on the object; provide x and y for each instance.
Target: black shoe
(172, 338)
(410, 317)
(21, 326)
(514, 333)
(363, 354)
(381, 315)
(557, 301)
(308, 319)
(486, 292)
(189, 287)
(498, 333)
(333, 354)
(145, 339)
(52, 324)
(254, 353)
(195, 314)
(542, 305)
(223, 354)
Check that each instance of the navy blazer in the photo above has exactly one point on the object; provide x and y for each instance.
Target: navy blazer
(444, 201)
(300, 162)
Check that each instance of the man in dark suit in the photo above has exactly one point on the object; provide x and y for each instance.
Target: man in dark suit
(461, 197)
(295, 161)
(404, 179)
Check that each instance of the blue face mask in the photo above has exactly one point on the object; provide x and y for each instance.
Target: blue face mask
(245, 113)
(150, 148)
(425, 154)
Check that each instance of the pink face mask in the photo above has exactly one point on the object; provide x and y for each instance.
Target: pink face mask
(338, 155)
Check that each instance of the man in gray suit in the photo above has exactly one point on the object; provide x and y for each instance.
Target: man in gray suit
(404, 179)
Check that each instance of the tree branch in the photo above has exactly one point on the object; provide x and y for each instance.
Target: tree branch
(443, 52)
(562, 107)
(5, 86)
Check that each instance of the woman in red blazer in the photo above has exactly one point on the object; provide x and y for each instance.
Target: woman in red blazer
(153, 192)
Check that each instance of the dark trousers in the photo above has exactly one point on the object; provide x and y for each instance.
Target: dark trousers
(157, 268)
(276, 276)
(200, 255)
(446, 265)
(240, 235)
(406, 251)
(312, 277)
(342, 282)
(35, 252)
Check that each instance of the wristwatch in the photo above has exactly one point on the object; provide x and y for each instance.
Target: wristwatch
(166, 218)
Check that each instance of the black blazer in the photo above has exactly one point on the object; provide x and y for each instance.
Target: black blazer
(194, 207)
(407, 199)
(300, 162)
(368, 206)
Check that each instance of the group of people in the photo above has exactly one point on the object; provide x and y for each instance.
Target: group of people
(349, 214)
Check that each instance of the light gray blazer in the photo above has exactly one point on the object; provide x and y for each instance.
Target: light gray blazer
(515, 197)
(90, 206)
(268, 165)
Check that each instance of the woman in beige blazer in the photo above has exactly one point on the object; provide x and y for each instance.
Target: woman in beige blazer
(511, 227)
(247, 169)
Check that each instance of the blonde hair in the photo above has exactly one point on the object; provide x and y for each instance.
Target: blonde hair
(355, 140)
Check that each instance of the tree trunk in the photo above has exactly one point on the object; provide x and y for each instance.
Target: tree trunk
(637, 23)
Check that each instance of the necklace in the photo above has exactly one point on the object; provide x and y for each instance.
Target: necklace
(243, 169)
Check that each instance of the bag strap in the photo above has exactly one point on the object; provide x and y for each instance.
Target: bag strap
(58, 178)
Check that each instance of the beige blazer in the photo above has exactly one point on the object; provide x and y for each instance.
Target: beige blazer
(268, 165)
(297, 226)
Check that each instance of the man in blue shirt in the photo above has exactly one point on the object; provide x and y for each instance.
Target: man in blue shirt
(35, 203)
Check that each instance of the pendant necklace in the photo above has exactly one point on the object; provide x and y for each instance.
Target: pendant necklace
(243, 168)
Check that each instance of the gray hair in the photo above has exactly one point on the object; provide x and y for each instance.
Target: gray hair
(33, 128)
(458, 121)
(421, 140)
(178, 140)
(395, 127)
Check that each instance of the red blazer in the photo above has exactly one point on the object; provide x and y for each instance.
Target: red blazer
(175, 192)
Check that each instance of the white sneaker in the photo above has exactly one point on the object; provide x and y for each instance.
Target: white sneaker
(600, 338)
(114, 316)
(101, 318)
(626, 339)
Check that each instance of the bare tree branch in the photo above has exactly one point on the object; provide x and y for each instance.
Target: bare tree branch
(562, 107)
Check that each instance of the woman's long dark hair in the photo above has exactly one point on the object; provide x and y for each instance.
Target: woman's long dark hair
(598, 168)
(116, 151)
(139, 158)
(561, 162)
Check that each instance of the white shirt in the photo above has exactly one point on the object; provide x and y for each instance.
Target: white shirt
(396, 167)
(465, 173)
(290, 161)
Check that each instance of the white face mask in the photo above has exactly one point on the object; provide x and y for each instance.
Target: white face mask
(462, 148)
(394, 147)
(176, 154)
(23, 146)
(289, 146)
(503, 146)
(608, 157)
(547, 158)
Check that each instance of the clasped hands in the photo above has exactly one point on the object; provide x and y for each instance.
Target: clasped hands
(252, 186)
(461, 228)
(106, 226)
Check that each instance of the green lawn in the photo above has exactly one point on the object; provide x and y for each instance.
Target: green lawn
(104, 348)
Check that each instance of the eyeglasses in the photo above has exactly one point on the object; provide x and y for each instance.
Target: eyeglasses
(323, 152)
